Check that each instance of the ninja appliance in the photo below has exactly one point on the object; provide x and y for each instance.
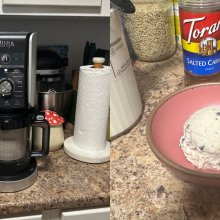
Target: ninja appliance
(18, 167)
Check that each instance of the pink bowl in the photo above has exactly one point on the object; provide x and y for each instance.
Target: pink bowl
(165, 128)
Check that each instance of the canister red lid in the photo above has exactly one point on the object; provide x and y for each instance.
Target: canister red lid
(53, 118)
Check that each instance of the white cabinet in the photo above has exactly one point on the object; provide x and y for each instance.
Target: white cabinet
(36, 216)
(92, 213)
(76, 8)
(89, 214)
(81, 3)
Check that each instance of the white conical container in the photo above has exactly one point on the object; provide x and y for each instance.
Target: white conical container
(125, 102)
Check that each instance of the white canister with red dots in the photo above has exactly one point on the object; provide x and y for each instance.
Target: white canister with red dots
(56, 131)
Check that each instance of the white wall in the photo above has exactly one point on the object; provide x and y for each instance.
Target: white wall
(73, 32)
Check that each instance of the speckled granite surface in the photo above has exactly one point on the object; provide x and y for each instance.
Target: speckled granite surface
(141, 187)
(62, 183)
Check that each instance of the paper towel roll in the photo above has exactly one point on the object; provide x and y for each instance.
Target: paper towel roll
(92, 108)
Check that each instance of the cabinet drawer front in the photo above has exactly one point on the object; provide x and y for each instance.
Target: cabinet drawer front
(30, 217)
(92, 3)
(89, 214)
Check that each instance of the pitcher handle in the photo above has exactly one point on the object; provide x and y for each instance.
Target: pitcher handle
(40, 121)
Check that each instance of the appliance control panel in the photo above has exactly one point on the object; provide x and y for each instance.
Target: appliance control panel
(12, 80)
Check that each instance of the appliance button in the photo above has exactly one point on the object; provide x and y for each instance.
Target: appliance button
(6, 87)
(17, 58)
(17, 102)
(6, 102)
(6, 58)
(40, 117)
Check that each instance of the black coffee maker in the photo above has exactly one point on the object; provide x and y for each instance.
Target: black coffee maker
(18, 56)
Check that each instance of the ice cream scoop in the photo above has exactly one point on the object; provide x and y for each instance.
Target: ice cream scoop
(126, 6)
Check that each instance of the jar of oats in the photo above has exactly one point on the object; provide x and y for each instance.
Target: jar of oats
(151, 29)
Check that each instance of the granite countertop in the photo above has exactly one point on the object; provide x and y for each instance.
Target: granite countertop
(62, 183)
(141, 187)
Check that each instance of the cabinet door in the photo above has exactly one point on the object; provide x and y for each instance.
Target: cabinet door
(81, 3)
(88, 214)
(22, 217)
(76, 8)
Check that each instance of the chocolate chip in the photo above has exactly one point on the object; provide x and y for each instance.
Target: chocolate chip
(181, 141)
(202, 147)
(218, 113)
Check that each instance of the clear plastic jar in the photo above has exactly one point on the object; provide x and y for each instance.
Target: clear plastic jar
(177, 25)
(151, 29)
(200, 30)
